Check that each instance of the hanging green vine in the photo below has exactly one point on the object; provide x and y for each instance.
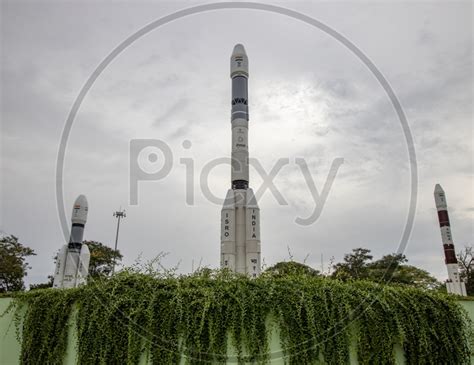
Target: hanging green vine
(200, 317)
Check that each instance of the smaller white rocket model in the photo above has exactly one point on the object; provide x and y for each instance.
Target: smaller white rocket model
(454, 284)
(240, 215)
(72, 264)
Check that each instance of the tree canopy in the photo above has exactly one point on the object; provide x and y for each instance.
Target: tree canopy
(13, 265)
(354, 265)
(390, 268)
(286, 268)
(103, 259)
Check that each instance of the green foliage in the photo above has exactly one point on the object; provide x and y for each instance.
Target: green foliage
(388, 269)
(13, 264)
(354, 265)
(291, 268)
(131, 314)
(48, 284)
(103, 258)
(392, 268)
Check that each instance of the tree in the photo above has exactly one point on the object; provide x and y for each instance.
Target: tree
(13, 265)
(386, 268)
(103, 259)
(466, 264)
(286, 268)
(414, 276)
(354, 265)
(390, 268)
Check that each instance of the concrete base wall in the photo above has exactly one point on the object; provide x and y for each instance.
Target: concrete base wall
(10, 347)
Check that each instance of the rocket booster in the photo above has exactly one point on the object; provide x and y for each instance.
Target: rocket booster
(454, 284)
(72, 264)
(240, 215)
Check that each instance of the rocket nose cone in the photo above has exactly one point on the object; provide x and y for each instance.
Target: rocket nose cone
(79, 210)
(239, 49)
(239, 62)
(81, 201)
(438, 189)
(85, 249)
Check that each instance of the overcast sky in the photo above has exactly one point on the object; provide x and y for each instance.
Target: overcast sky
(309, 97)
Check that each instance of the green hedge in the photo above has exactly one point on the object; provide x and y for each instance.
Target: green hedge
(200, 317)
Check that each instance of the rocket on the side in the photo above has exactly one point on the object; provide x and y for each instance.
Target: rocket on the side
(72, 264)
(454, 284)
(240, 215)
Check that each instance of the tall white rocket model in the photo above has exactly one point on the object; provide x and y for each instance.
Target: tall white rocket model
(240, 215)
(72, 265)
(454, 284)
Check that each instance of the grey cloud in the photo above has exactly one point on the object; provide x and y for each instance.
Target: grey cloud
(172, 113)
(426, 38)
(340, 88)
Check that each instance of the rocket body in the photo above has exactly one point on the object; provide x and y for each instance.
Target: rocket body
(240, 215)
(454, 284)
(72, 264)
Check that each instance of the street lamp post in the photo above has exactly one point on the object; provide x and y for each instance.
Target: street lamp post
(119, 215)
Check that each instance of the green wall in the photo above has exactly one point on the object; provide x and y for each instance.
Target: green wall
(10, 347)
